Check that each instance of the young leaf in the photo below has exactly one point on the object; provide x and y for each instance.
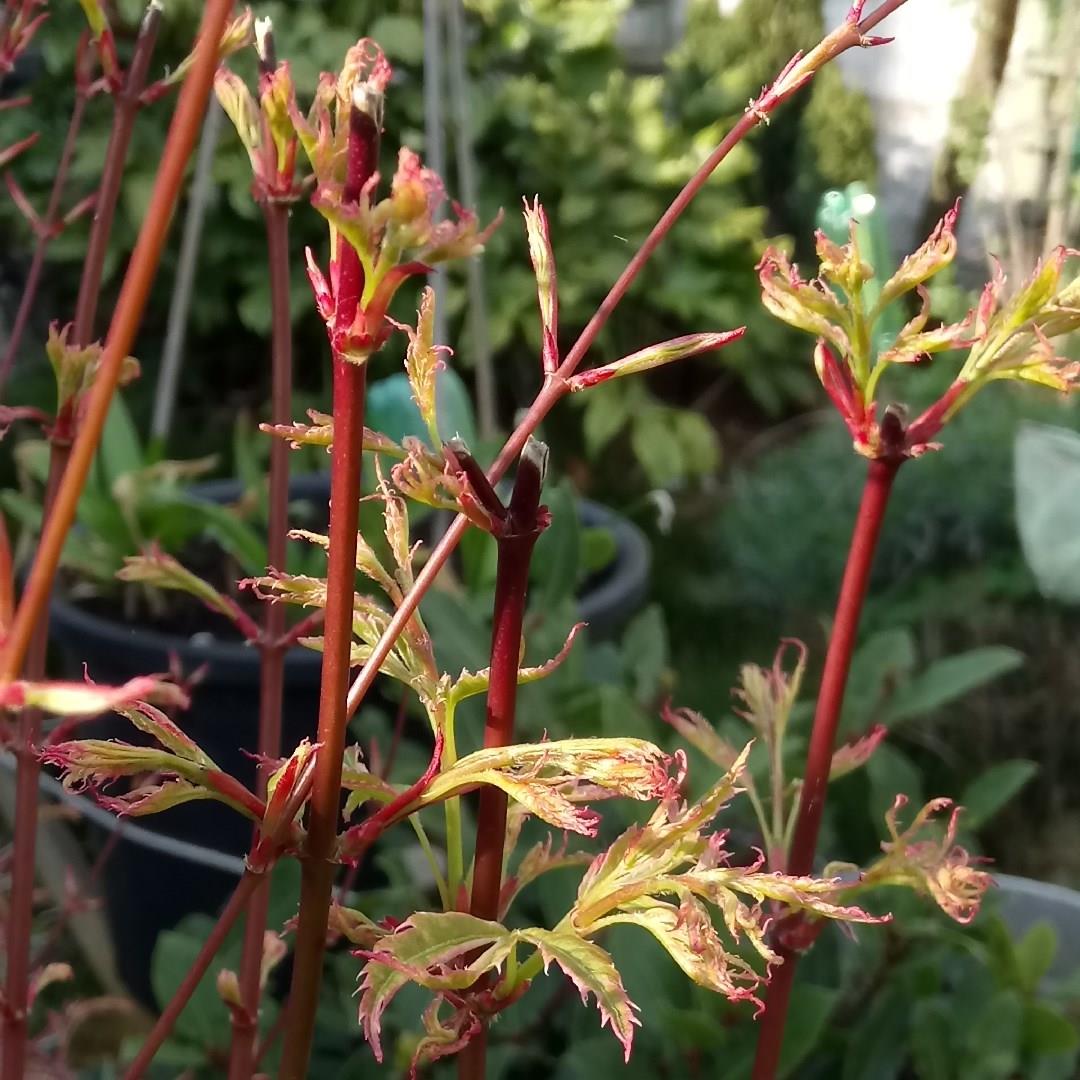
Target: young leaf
(422, 950)
(665, 352)
(422, 363)
(592, 971)
(539, 859)
(161, 571)
(470, 683)
(543, 262)
(697, 731)
(687, 933)
(936, 867)
(856, 752)
(88, 698)
(934, 255)
(544, 777)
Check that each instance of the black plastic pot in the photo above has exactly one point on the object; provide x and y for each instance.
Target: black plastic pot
(147, 889)
(187, 860)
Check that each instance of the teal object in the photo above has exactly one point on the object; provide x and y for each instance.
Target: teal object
(858, 203)
(391, 409)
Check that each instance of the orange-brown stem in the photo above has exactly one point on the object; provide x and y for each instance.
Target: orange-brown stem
(125, 321)
(23, 863)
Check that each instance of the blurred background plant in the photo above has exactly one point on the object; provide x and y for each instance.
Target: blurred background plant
(964, 641)
(555, 108)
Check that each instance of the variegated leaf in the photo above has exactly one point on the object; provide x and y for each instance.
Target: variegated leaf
(423, 950)
(591, 969)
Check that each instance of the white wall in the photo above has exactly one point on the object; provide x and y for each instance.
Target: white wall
(911, 84)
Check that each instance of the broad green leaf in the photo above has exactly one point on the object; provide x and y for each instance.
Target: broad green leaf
(205, 1020)
(994, 1040)
(660, 455)
(598, 549)
(947, 680)
(605, 416)
(400, 36)
(883, 661)
(645, 652)
(811, 1007)
(120, 451)
(1034, 954)
(592, 971)
(1048, 1031)
(700, 445)
(931, 1046)
(236, 536)
(994, 789)
(557, 559)
(248, 465)
(877, 1048)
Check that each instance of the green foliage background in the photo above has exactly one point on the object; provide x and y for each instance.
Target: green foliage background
(554, 112)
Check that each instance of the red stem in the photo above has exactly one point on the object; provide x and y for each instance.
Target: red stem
(552, 392)
(555, 386)
(324, 815)
(265, 854)
(7, 579)
(864, 538)
(46, 233)
(20, 914)
(309, 624)
(272, 670)
(511, 588)
(36, 629)
(125, 108)
(160, 1031)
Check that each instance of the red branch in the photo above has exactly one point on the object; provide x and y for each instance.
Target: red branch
(349, 385)
(556, 385)
(46, 231)
(522, 526)
(125, 108)
(864, 538)
(272, 654)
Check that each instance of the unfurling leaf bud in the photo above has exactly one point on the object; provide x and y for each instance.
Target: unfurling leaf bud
(282, 788)
(842, 266)
(936, 253)
(88, 698)
(75, 368)
(543, 262)
(665, 352)
(938, 867)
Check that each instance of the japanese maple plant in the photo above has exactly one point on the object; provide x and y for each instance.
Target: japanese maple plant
(735, 929)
